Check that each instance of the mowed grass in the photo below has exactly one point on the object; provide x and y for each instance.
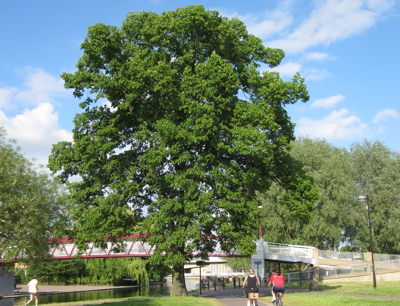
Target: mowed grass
(390, 289)
(302, 299)
(162, 301)
(383, 288)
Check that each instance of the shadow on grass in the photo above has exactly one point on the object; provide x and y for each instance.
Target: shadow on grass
(324, 287)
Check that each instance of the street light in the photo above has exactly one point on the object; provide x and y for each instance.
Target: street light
(260, 226)
(364, 199)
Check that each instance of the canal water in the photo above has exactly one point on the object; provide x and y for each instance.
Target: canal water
(150, 291)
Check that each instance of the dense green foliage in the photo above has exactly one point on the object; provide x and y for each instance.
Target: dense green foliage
(339, 219)
(239, 264)
(32, 205)
(179, 123)
(376, 171)
(94, 271)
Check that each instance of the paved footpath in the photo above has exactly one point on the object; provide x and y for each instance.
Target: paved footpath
(235, 297)
(230, 296)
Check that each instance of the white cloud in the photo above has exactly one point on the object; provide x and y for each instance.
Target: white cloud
(333, 20)
(6, 95)
(312, 74)
(275, 22)
(35, 131)
(287, 69)
(39, 86)
(318, 56)
(385, 114)
(267, 23)
(33, 122)
(329, 102)
(339, 125)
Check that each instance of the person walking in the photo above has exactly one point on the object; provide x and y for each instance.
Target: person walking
(33, 290)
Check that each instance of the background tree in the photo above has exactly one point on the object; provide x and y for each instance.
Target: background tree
(177, 120)
(377, 174)
(99, 271)
(32, 205)
(239, 264)
(338, 219)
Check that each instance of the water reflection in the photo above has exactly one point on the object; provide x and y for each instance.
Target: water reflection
(156, 290)
(153, 290)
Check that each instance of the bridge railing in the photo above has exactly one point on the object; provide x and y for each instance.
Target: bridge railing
(288, 250)
(336, 255)
(134, 247)
(327, 271)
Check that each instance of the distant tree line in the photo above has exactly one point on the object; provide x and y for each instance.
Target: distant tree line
(339, 221)
(94, 271)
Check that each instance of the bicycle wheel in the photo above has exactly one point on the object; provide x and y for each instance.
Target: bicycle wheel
(279, 301)
(197, 287)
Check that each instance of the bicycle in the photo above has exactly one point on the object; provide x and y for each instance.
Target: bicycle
(278, 299)
(253, 297)
(203, 285)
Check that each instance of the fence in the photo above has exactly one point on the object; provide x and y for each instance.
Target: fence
(386, 262)
(297, 277)
(326, 271)
(297, 251)
(336, 255)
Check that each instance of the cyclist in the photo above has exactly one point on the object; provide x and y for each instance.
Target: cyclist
(251, 283)
(278, 284)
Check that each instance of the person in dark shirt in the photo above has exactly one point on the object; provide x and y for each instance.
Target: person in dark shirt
(251, 283)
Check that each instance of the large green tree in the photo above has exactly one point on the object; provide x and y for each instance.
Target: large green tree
(180, 125)
(32, 205)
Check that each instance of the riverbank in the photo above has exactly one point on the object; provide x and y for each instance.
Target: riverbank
(22, 290)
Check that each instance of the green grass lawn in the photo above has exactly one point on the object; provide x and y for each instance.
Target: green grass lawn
(304, 299)
(163, 301)
(296, 299)
(383, 289)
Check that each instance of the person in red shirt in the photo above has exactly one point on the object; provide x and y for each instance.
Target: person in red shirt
(277, 281)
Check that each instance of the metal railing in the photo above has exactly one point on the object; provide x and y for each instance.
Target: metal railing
(336, 255)
(327, 271)
(297, 277)
(387, 262)
(289, 250)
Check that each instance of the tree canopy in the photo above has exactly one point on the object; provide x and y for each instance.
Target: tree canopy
(339, 220)
(32, 205)
(179, 127)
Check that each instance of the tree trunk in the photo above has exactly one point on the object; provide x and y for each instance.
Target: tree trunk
(178, 281)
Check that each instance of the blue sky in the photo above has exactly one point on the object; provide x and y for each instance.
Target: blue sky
(347, 50)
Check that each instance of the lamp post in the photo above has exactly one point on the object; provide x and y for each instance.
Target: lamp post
(364, 199)
(260, 226)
